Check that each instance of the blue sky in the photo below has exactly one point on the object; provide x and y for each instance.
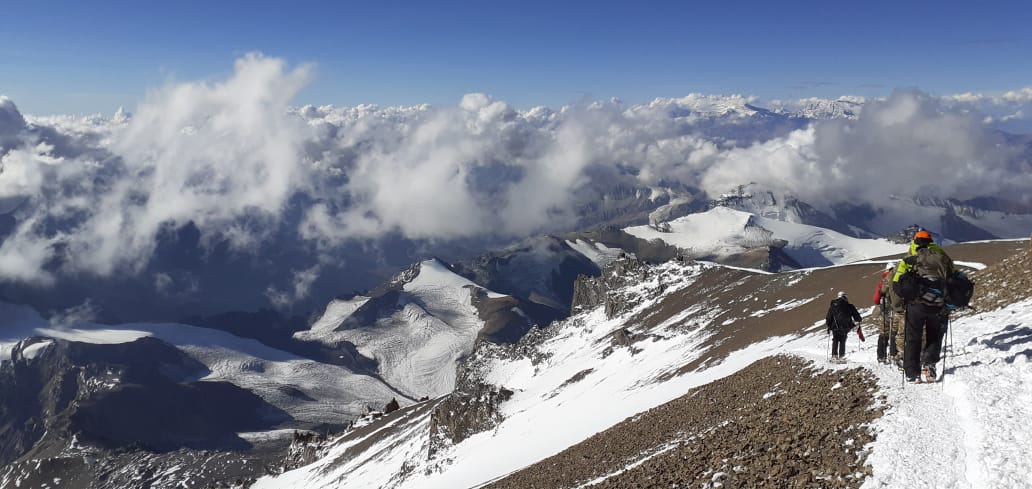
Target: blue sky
(87, 57)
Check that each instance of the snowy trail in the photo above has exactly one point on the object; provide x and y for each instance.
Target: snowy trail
(970, 431)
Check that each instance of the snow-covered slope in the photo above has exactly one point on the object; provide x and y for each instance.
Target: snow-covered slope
(546, 414)
(817, 108)
(310, 391)
(723, 232)
(418, 335)
(609, 366)
(593, 370)
(970, 430)
(598, 253)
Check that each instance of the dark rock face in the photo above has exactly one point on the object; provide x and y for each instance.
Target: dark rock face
(505, 318)
(40, 394)
(466, 412)
(305, 447)
(777, 423)
(960, 230)
(139, 469)
(77, 408)
(473, 406)
(201, 415)
(590, 292)
(768, 258)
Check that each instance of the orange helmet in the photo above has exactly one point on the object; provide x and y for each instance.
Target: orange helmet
(922, 234)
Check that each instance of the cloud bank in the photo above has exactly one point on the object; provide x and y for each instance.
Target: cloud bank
(909, 145)
(234, 160)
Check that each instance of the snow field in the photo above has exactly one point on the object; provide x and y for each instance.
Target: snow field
(970, 430)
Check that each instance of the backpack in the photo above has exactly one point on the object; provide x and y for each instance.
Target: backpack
(841, 315)
(931, 263)
(908, 287)
(933, 267)
(959, 289)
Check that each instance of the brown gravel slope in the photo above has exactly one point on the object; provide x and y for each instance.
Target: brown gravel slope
(737, 329)
(732, 433)
(1003, 283)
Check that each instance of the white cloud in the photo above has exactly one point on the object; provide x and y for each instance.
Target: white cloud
(302, 285)
(215, 154)
(85, 312)
(95, 195)
(908, 145)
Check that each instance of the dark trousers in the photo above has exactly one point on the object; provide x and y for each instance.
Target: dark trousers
(886, 342)
(838, 343)
(927, 320)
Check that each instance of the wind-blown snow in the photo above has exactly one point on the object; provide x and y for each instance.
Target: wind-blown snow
(30, 352)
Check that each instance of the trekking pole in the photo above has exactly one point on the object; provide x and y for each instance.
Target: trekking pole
(891, 347)
(893, 331)
(903, 371)
(828, 350)
(949, 330)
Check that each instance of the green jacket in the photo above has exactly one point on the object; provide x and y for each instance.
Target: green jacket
(904, 267)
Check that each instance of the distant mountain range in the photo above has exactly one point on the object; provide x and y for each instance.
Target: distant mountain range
(191, 274)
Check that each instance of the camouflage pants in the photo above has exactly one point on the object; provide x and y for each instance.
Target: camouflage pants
(892, 329)
(898, 326)
(890, 326)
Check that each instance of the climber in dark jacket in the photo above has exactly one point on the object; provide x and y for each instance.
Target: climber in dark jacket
(926, 312)
(840, 321)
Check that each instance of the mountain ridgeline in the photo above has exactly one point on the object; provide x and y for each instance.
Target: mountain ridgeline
(570, 335)
(631, 380)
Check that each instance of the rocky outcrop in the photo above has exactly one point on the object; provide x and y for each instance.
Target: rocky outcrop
(305, 447)
(608, 288)
(464, 413)
(50, 384)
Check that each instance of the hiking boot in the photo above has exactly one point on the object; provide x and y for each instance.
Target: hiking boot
(899, 363)
(915, 380)
(929, 373)
(883, 360)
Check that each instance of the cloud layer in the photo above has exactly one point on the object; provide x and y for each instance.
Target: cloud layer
(95, 196)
